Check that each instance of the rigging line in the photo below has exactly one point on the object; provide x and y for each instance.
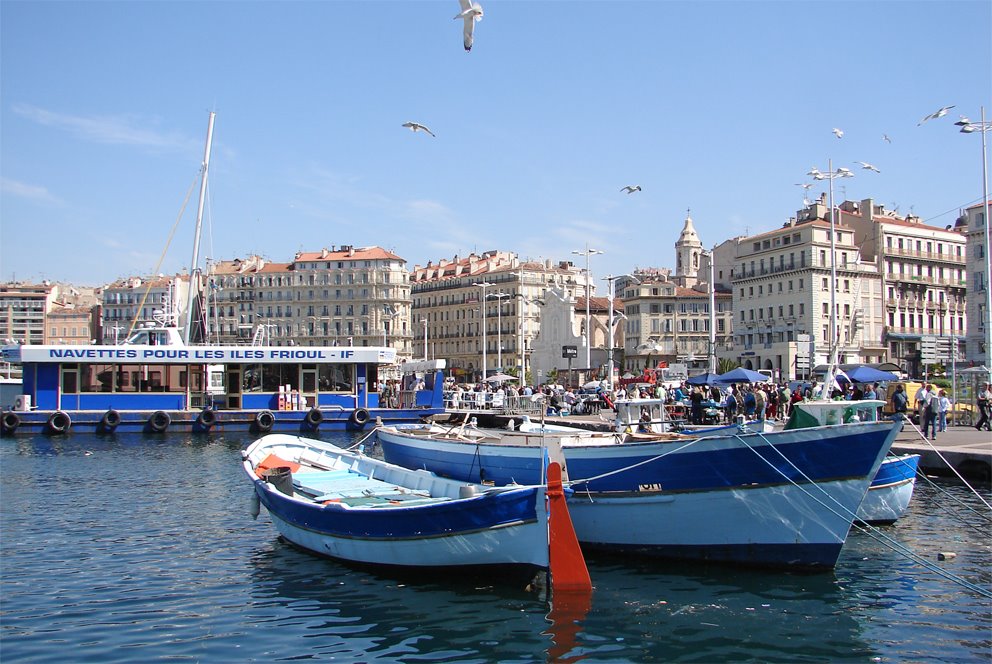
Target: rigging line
(172, 234)
(868, 530)
(959, 503)
(946, 462)
(364, 438)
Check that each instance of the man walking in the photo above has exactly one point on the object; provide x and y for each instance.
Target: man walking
(984, 407)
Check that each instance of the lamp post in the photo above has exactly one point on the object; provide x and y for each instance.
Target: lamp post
(424, 321)
(483, 285)
(587, 253)
(830, 176)
(968, 127)
(711, 356)
(499, 326)
(610, 295)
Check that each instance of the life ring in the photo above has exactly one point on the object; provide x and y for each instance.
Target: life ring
(110, 420)
(11, 421)
(315, 417)
(207, 418)
(360, 417)
(58, 422)
(264, 421)
(159, 421)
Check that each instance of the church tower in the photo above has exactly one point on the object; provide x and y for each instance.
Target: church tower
(688, 252)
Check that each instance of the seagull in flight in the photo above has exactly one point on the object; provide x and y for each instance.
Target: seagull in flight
(470, 13)
(885, 137)
(631, 188)
(866, 165)
(839, 133)
(936, 114)
(804, 185)
(416, 126)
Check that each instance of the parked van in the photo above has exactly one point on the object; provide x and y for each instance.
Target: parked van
(911, 388)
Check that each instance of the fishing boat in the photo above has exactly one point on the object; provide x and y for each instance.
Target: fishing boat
(892, 486)
(355, 508)
(784, 499)
(891, 490)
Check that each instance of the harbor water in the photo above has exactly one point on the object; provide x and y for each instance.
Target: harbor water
(135, 548)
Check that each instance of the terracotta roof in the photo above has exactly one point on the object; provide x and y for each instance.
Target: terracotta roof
(346, 254)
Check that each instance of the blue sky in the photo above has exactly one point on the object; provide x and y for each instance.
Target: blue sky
(717, 107)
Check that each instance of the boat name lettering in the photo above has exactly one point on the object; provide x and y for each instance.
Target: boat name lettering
(97, 353)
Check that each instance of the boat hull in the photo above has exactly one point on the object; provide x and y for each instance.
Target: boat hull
(186, 421)
(891, 490)
(787, 498)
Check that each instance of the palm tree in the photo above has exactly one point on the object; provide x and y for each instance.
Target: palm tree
(725, 364)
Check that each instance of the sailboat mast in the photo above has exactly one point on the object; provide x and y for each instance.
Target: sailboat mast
(193, 268)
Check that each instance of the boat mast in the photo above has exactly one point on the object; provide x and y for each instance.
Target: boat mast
(193, 268)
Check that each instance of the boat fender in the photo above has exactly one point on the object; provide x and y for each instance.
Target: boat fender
(207, 418)
(255, 507)
(58, 422)
(110, 420)
(360, 416)
(264, 421)
(159, 421)
(11, 421)
(315, 417)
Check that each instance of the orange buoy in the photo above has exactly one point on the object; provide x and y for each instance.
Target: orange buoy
(568, 566)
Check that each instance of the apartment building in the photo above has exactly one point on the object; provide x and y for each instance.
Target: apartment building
(342, 296)
(782, 294)
(979, 319)
(135, 301)
(483, 310)
(923, 280)
(22, 311)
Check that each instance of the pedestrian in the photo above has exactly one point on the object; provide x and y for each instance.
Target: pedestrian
(930, 410)
(899, 401)
(984, 407)
(944, 405)
(760, 402)
(921, 400)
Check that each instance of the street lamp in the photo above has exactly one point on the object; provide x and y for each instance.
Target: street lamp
(483, 285)
(424, 321)
(968, 127)
(499, 326)
(587, 253)
(388, 314)
(610, 279)
(830, 176)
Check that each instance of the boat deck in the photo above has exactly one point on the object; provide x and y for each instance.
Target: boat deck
(356, 490)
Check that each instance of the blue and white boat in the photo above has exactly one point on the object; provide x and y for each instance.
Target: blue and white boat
(352, 507)
(891, 490)
(786, 498)
(154, 383)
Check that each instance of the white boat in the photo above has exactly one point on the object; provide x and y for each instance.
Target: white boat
(355, 508)
(786, 498)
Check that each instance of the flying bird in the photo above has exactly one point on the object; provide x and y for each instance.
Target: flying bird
(416, 126)
(631, 188)
(804, 185)
(885, 137)
(866, 165)
(839, 133)
(936, 114)
(470, 13)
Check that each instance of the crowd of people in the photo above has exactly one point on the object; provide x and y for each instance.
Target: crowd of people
(755, 401)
